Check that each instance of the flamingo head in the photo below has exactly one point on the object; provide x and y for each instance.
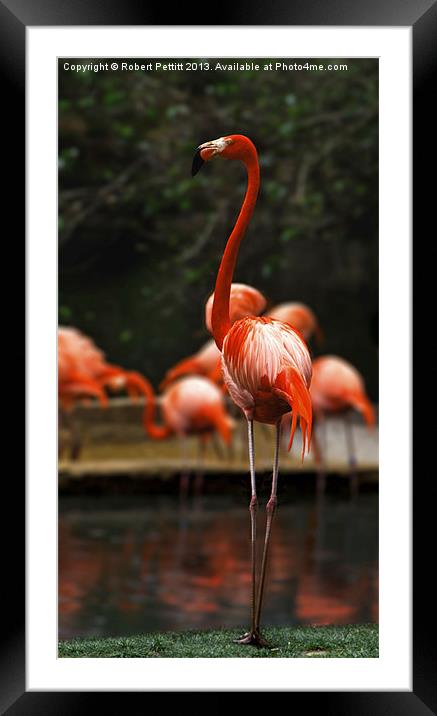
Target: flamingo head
(233, 146)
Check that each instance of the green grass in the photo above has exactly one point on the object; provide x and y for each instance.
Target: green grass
(355, 641)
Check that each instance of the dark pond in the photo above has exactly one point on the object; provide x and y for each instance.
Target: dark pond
(131, 565)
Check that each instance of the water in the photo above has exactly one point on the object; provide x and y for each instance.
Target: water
(133, 565)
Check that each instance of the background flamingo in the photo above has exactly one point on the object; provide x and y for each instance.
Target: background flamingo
(266, 364)
(75, 380)
(77, 353)
(336, 387)
(192, 405)
(83, 373)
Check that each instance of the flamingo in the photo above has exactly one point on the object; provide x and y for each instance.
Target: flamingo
(83, 373)
(74, 379)
(300, 316)
(266, 363)
(336, 387)
(75, 382)
(77, 354)
(192, 405)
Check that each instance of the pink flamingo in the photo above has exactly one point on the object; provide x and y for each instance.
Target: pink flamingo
(83, 373)
(75, 381)
(77, 354)
(266, 363)
(192, 405)
(336, 387)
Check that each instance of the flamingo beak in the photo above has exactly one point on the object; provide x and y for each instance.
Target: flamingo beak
(198, 162)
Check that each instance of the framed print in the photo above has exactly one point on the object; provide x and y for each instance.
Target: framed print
(99, 79)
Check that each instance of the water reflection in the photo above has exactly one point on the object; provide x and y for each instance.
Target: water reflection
(128, 565)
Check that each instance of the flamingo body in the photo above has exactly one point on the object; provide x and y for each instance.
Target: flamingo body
(77, 357)
(76, 352)
(195, 406)
(192, 405)
(267, 370)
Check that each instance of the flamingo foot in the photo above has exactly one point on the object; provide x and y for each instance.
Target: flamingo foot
(252, 638)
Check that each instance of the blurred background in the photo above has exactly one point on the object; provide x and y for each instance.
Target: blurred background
(140, 243)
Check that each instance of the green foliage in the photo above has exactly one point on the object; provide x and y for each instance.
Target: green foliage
(355, 641)
(140, 241)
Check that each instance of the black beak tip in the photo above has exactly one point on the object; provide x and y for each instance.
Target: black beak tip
(197, 163)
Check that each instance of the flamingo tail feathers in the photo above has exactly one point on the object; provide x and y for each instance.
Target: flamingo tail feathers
(291, 387)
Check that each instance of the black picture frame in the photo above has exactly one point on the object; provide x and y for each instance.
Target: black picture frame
(15, 16)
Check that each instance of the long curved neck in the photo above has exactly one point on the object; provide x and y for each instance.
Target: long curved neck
(220, 319)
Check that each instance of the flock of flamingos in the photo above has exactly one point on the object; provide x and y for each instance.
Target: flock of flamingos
(261, 361)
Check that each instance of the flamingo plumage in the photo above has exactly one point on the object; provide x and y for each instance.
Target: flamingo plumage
(303, 319)
(266, 363)
(74, 378)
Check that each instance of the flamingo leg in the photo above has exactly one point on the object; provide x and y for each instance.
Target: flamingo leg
(270, 509)
(252, 637)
